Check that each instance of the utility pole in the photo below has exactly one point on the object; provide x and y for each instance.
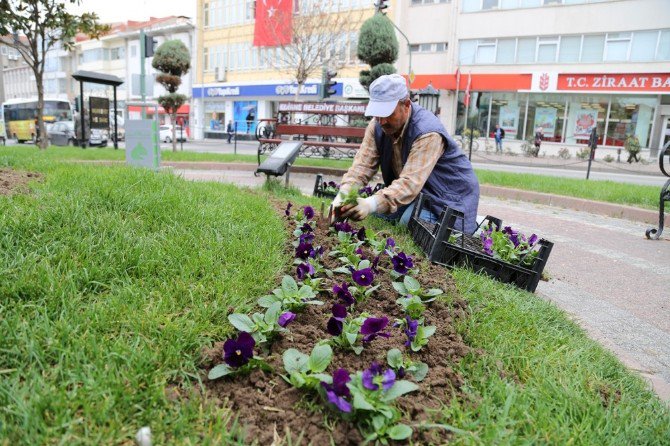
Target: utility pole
(143, 94)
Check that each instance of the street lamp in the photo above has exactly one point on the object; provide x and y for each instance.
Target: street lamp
(429, 98)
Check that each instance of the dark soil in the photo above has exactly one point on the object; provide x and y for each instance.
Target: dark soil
(268, 407)
(13, 181)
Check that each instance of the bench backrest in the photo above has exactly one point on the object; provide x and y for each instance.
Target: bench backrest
(320, 130)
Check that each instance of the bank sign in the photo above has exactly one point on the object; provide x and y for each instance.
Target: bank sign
(278, 90)
(633, 82)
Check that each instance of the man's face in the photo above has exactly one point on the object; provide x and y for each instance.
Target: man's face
(393, 123)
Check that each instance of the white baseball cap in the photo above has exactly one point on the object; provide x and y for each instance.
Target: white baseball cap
(385, 92)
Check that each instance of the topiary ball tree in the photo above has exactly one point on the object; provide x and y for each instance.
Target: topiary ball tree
(378, 47)
(173, 60)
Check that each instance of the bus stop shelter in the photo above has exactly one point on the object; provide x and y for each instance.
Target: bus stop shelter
(97, 78)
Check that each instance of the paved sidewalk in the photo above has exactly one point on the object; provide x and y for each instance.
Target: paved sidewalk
(612, 280)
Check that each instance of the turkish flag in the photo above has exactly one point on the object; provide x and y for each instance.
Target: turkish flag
(467, 91)
(273, 22)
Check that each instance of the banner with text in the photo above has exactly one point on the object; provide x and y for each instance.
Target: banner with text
(545, 117)
(509, 120)
(659, 82)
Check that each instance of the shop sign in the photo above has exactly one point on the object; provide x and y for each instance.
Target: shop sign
(310, 89)
(509, 119)
(340, 108)
(354, 89)
(544, 82)
(222, 91)
(615, 82)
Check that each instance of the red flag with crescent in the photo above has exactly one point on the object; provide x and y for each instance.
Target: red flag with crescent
(273, 22)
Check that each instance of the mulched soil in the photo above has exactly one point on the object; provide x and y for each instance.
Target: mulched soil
(268, 407)
(13, 181)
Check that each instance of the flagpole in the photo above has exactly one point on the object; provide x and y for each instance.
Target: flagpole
(458, 84)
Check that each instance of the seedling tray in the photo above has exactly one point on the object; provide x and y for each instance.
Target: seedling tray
(466, 250)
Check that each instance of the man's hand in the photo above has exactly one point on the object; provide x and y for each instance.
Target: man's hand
(358, 212)
(336, 215)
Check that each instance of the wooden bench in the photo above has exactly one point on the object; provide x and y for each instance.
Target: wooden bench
(330, 137)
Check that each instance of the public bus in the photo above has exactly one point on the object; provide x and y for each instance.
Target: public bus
(21, 116)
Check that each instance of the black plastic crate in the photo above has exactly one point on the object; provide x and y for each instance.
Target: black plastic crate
(466, 250)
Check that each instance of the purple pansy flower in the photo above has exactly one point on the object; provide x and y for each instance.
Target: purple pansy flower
(288, 209)
(363, 277)
(343, 293)
(333, 184)
(306, 228)
(343, 227)
(512, 235)
(304, 270)
(410, 331)
(285, 319)
(335, 323)
(375, 262)
(237, 352)
(372, 327)
(308, 212)
(365, 191)
(306, 237)
(361, 234)
(303, 250)
(487, 245)
(402, 263)
(338, 390)
(316, 252)
(532, 240)
(360, 253)
(390, 243)
(374, 376)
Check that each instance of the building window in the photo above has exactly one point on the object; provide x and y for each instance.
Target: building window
(592, 48)
(506, 51)
(133, 50)
(663, 51)
(205, 13)
(643, 46)
(525, 52)
(569, 49)
(486, 51)
(616, 47)
(205, 59)
(489, 4)
(547, 49)
(630, 116)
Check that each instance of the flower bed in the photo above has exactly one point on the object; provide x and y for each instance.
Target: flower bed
(335, 349)
(511, 260)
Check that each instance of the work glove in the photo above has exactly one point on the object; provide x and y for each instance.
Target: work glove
(365, 207)
(339, 198)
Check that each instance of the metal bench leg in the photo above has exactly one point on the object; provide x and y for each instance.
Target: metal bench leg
(653, 233)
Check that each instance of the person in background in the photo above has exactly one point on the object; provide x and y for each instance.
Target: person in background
(499, 135)
(415, 154)
(538, 140)
(230, 130)
(593, 141)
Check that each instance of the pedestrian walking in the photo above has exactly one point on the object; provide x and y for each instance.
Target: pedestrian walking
(538, 140)
(230, 130)
(499, 135)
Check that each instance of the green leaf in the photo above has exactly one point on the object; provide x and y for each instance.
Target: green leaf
(297, 380)
(361, 403)
(378, 423)
(289, 285)
(320, 358)
(371, 290)
(342, 270)
(306, 292)
(400, 288)
(242, 322)
(399, 432)
(322, 377)
(295, 361)
(399, 388)
(358, 349)
(364, 264)
(394, 358)
(351, 337)
(411, 284)
(257, 319)
(428, 331)
(433, 292)
(272, 313)
(420, 371)
(220, 371)
(266, 301)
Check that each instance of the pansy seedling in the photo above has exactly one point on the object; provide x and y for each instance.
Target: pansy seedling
(413, 306)
(307, 371)
(402, 264)
(290, 296)
(337, 392)
(415, 330)
(346, 331)
(404, 366)
(264, 327)
(509, 245)
(238, 357)
(411, 286)
(362, 277)
(351, 198)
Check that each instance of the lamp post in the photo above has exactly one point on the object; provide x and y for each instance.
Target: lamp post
(429, 98)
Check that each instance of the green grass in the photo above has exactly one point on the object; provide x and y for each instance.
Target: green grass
(113, 279)
(608, 191)
(541, 380)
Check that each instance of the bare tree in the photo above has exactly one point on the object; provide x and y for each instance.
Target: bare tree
(43, 23)
(319, 32)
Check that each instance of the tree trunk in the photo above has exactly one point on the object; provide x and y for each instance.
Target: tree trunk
(42, 140)
(174, 129)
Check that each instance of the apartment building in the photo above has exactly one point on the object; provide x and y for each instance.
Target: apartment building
(118, 53)
(236, 80)
(16, 78)
(561, 66)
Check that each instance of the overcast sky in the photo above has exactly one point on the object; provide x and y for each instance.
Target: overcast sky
(124, 10)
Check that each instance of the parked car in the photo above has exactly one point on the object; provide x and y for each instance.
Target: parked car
(165, 133)
(98, 138)
(62, 133)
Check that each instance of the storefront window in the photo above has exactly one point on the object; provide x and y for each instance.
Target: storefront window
(583, 113)
(508, 110)
(630, 115)
(478, 112)
(548, 112)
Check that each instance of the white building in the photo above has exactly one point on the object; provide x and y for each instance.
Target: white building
(563, 65)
